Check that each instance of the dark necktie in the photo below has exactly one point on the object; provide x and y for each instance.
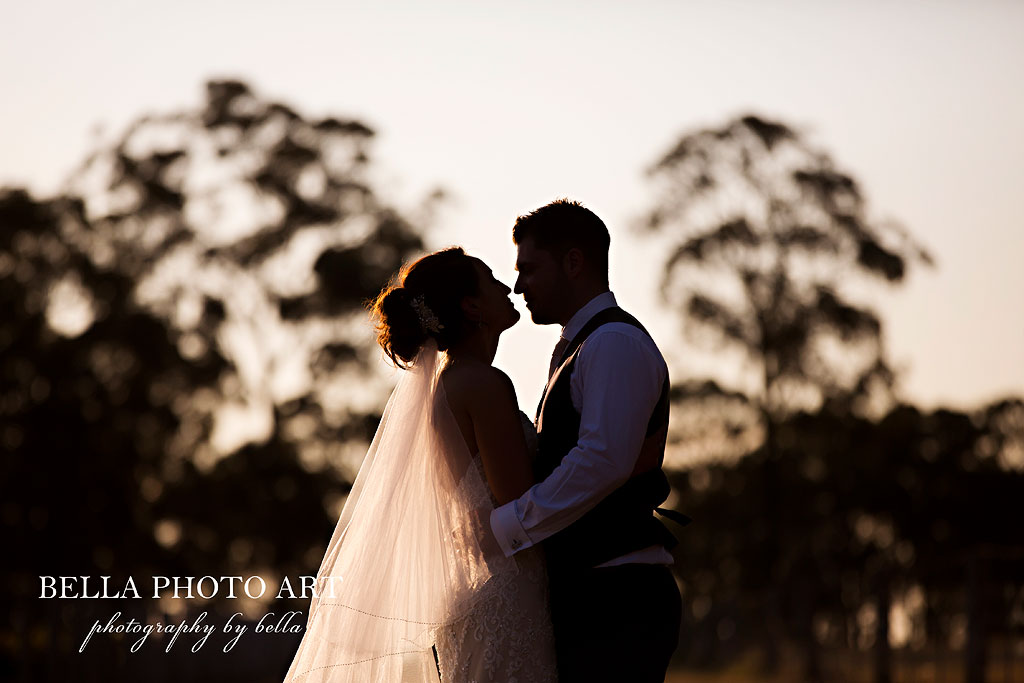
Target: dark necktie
(556, 355)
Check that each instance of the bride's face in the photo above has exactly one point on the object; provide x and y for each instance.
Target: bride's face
(492, 305)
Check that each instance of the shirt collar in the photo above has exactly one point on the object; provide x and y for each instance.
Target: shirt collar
(588, 311)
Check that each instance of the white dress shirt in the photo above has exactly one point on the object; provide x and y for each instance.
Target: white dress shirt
(615, 386)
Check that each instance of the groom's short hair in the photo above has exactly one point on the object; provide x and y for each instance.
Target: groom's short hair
(562, 225)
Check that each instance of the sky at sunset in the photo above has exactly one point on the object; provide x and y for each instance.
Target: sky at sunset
(507, 106)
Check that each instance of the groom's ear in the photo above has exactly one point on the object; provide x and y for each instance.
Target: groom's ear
(573, 262)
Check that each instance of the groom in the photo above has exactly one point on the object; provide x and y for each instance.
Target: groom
(601, 427)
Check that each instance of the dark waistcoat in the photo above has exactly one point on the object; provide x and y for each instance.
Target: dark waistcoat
(624, 520)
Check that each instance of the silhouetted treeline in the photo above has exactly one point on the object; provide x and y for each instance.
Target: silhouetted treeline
(918, 510)
(850, 505)
(204, 262)
(188, 383)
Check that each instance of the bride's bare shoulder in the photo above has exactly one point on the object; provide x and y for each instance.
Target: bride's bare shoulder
(474, 381)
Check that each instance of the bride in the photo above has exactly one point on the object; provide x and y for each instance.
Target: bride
(412, 568)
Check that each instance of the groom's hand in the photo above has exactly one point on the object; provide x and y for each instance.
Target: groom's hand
(489, 546)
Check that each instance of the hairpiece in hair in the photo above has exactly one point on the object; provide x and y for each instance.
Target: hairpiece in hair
(428, 321)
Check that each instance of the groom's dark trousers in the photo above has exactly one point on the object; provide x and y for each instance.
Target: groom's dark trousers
(615, 624)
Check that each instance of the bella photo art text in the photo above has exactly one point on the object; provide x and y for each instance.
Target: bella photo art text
(185, 588)
(182, 587)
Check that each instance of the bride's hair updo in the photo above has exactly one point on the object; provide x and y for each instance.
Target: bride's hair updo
(424, 301)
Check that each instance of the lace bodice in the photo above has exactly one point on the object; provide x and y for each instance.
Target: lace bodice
(507, 636)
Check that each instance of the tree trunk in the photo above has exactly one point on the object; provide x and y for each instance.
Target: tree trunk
(812, 652)
(976, 633)
(883, 653)
(771, 598)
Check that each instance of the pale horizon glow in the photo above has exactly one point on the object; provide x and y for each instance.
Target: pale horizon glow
(507, 107)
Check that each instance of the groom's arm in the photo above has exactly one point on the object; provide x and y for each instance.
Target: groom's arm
(617, 380)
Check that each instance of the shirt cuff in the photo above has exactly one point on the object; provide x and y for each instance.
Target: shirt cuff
(508, 530)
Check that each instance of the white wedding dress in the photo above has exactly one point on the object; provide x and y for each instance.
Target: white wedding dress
(409, 567)
(507, 636)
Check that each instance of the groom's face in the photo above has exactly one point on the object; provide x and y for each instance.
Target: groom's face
(541, 281)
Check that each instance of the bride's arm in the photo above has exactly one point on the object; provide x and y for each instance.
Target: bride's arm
(494, 411)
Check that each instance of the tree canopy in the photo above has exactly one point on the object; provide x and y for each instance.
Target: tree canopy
(184, 347)
(767, 240)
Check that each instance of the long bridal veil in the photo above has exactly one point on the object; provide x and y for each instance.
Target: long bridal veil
(408, 555)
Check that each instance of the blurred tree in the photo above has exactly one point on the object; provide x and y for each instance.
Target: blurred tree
(187, 377)
(900, 513)
(767, 239)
